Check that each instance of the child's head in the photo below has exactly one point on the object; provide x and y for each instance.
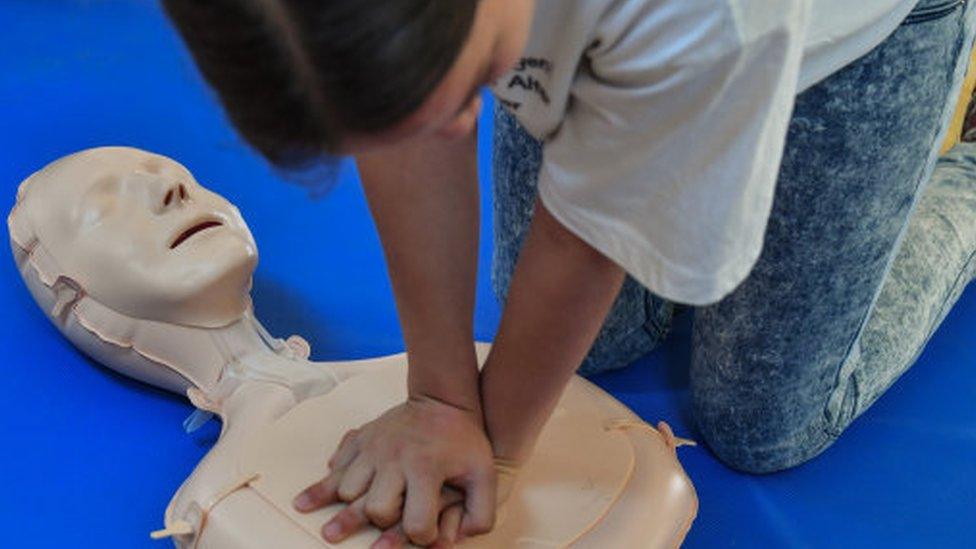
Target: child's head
(299, 78)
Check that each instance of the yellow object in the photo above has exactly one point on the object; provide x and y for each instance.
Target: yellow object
(959, 118)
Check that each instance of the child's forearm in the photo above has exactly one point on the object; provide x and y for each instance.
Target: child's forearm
(561, 292)
(424, 200)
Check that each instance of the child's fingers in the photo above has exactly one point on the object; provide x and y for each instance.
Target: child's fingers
(392, 538)
(422, 507)
(355, 480)
(318, 495)
(384, 501)
(325, 492)
(451, 499)
(450, 496)
(449, 526)
(479, 504)
(346, 452)
(345, 523)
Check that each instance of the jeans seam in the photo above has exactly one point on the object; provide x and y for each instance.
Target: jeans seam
(954, 78)
(832, 432)
(931, 13)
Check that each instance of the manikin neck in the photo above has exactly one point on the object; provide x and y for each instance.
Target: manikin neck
(252, 356)
(205, 364)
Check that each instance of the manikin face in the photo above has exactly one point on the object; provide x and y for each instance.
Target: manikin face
(140, 235)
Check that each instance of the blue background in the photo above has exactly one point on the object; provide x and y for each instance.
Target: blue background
(90, 459)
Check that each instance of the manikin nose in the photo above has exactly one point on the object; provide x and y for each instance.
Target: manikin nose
(175, 196)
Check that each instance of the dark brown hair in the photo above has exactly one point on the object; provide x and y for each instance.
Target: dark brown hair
(295, 75)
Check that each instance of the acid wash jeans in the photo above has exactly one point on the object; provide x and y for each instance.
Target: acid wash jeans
(869, 244)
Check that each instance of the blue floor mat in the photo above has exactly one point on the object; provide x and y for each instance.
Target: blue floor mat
(90, 459)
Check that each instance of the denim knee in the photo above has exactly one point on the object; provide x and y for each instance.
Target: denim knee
(776, 373)
(757, 431)
(760, 404)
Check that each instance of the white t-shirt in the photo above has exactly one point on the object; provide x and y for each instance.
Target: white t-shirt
(664, 121)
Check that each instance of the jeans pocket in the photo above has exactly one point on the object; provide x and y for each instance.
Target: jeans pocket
(930, 10)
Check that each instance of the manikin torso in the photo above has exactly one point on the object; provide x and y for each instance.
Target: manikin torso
(94, 233)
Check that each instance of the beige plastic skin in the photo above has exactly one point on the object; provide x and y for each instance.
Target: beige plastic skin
(116, 219)
(93, 237)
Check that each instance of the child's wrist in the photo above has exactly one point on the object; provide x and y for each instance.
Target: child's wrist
(467, 406)
(452, 382)
(509, 453)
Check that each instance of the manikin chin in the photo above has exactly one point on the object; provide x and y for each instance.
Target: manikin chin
(149, 273)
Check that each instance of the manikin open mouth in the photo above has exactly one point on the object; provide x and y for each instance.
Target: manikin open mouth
(197, 228)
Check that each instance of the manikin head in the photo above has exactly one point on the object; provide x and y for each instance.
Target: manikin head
(136, 232)
(142, 268)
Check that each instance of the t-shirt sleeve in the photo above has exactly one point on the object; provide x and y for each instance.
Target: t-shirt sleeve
(668, 152)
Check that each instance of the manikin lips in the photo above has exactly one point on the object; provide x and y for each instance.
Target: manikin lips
(199, 227)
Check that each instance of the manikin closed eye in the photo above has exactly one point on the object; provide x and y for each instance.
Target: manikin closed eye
(95, 236)
(149, 243)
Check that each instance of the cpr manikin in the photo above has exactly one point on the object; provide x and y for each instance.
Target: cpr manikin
(149, 273)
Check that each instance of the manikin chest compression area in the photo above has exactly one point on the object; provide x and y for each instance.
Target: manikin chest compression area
(149, 273)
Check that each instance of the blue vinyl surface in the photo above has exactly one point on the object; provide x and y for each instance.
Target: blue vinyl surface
(90, 459)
